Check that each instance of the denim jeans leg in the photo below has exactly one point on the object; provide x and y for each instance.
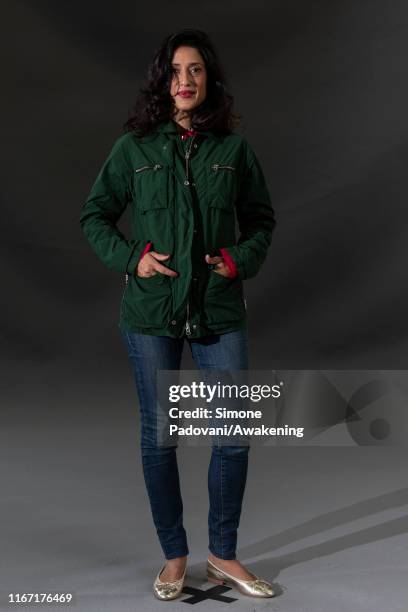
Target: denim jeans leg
(227, 472)
(148, 354)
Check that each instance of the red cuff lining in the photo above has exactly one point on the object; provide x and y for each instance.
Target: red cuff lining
(146, 249)
(230, 263)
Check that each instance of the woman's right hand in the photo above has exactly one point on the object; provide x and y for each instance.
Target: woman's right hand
(149, 265)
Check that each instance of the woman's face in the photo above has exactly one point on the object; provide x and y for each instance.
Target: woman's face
(190, 76)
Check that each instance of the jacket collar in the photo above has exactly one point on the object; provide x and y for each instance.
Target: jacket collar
(171, 127)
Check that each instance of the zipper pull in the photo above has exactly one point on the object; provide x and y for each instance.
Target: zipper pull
(216, 167)
(126, 278)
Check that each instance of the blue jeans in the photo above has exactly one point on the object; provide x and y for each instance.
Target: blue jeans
(228, 464)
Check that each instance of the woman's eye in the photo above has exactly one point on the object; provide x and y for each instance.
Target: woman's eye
(193, 69)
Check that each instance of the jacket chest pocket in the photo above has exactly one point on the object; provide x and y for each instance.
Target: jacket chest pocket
(222, 186)
(150, 187)
(151, 205)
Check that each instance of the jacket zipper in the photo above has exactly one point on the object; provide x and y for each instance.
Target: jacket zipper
(187, 325)
(149, 167)
(223, 166)
(187, 182)
(187, 157)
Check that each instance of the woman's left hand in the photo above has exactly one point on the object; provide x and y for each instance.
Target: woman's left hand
(221, 266)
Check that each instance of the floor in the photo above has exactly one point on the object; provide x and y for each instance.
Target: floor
(327, 525)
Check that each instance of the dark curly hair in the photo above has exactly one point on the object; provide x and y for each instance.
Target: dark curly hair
(154, 103)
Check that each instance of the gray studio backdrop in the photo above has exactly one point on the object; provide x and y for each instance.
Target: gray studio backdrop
(323, 91)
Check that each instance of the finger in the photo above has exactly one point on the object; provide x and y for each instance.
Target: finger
(215, 259)
(165, 270)
(159, 255)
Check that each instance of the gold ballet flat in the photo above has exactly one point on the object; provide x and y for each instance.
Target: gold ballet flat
(168, 590)
(253, 588)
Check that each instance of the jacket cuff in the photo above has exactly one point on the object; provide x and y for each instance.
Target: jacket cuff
(229, 262)
(136, 257)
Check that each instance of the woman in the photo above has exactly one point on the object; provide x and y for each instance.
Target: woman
(185, 175)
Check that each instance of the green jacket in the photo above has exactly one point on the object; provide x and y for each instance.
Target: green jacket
(186, 207)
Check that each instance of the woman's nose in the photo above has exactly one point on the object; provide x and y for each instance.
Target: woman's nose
(185, 79)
